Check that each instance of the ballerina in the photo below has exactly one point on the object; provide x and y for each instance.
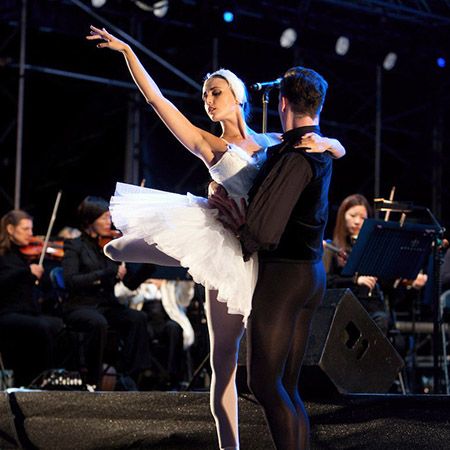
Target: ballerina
(173, 229)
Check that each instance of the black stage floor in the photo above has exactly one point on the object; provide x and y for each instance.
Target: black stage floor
(172, 420)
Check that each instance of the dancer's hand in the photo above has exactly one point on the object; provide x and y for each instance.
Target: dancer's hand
(215, 188)
(110, 41)
(314, 143)
(230, 214)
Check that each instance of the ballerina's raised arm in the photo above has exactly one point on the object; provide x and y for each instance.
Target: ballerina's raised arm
(200, 142)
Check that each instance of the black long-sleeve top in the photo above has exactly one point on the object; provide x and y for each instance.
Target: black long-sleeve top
(16, 283)
(288, 203)
(89, 275)
(445, 272)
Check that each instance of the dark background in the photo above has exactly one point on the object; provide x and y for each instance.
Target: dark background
(75, 130)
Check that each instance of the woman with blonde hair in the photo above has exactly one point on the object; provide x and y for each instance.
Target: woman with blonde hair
(28, 337)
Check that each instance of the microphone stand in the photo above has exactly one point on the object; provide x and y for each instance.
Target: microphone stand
(265, 104)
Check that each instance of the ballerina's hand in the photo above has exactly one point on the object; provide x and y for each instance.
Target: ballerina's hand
(110, 41)
(215, 188)
(314, 143)
(230, 214)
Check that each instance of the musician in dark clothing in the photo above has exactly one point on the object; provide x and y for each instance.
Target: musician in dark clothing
(351, 214)
(285, 221)
(91, 306)
(27, 337)
(445, 272)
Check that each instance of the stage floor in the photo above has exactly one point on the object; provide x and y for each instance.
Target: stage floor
(174, 420)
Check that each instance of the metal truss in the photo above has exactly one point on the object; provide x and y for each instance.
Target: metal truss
(308, 14)
(415, 11)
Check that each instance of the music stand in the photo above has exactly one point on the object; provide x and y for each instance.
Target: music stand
(391, 250)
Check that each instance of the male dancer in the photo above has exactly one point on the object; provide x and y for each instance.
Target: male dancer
(285, 221)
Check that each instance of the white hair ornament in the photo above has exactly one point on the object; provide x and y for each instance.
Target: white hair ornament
(236, 84)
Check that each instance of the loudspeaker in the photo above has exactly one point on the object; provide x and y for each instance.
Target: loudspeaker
(347, 352)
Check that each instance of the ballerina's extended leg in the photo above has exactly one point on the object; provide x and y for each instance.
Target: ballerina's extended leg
(138, 251)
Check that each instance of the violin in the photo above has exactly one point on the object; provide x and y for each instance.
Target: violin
(54, 250)
(105, 239)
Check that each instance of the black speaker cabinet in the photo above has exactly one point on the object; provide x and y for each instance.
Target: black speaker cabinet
(347, 352)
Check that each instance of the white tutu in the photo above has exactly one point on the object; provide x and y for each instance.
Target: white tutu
(185, 228)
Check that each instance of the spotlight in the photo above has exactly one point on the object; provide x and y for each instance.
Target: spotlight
(288, 38)
(98, 3)
(441, 62)
(159, 9)
(389, 61)
(342, 45)
(228, 16)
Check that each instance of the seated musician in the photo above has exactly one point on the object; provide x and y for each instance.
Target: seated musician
(27, 337)
(445, 272)
(91, 306)
(350, 217)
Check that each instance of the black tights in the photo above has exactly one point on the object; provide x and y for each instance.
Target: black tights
(284, 302)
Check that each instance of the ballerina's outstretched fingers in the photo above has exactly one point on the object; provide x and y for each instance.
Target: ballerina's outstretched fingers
(109, 41)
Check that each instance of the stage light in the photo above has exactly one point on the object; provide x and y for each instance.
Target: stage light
(228, 16)
(159, 9)
(389, 61)
(98, 3)
(441, 62)
(342, 45)
(288, 38)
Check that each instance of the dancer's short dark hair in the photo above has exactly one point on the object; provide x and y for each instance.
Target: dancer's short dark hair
(305, 89)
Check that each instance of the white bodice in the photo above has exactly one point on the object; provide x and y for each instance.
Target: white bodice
(236, 170)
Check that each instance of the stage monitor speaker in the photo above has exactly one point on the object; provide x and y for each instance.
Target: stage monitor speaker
(347, 352)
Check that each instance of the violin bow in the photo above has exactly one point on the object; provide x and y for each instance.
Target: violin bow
(50, 227)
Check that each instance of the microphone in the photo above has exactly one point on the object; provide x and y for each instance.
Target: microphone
(266, 85)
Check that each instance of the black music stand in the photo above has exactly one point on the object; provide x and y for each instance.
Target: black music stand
(390, 250)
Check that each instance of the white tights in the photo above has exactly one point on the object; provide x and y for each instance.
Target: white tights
(225, 333)
(137, 251)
